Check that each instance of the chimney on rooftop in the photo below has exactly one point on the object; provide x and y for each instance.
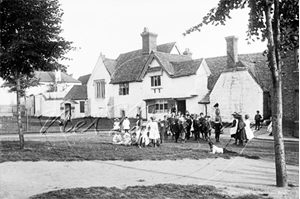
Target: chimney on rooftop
(232, 51)
(188, 52)
(58, 75)
(149, 41)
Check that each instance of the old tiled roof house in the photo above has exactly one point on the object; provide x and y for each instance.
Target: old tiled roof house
(240, 83)
(151, 80)
(148, 81)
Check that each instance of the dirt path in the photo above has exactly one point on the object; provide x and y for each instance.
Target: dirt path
(233, 176)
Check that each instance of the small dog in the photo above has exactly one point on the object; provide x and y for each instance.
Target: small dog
(214, 149)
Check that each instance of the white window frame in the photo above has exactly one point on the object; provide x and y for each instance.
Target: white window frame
(100, 89)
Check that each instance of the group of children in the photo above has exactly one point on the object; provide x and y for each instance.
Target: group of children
(180, 127)
(142, 136)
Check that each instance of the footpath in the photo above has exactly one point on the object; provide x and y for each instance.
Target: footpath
(263, 134)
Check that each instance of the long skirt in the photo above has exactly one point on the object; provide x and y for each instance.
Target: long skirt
(241, 135)
(249, 133)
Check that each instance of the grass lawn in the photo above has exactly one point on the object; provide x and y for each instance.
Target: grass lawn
(90, 146)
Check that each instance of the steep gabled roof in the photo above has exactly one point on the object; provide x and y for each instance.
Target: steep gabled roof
(255, 63)
(129, 66)
(77, 92)
(124, 57)
(186, 68)
(130, 70)
(84, 79)
(48, 76)
(166, 60)
(110, 65)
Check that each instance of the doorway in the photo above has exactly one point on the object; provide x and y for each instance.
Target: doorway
(181, 106)
(68, 111)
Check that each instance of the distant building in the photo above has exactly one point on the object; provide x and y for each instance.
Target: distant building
(290, 93)
(240, 83)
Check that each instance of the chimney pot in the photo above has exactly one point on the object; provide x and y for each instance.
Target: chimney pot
(188, 52)
(232, 51)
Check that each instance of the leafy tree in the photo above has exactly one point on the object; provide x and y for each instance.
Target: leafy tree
(25, 83)
(276, 21)
(30, 41)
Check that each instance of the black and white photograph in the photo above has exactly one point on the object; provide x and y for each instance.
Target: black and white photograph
(149, 99)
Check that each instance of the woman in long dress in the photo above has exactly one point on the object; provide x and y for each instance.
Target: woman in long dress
(233, 127)
(153, 131)
(249, 132)
(241, 133)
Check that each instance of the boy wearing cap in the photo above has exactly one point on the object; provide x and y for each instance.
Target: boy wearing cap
(257, 119)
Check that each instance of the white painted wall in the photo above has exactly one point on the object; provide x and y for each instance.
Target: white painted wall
(129, 103)
(99, 107)
(47, 107)
(236, 92)
(75, 108)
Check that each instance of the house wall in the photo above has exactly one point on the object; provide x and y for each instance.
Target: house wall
(75, 108)
(290, 94)
(47, 107)
(236, 91)
(130, 104)
(194, 89)
(100, 107)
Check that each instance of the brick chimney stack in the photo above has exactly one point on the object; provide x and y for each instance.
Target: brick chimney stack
(188, 52)
(232, 51)
(149, 41)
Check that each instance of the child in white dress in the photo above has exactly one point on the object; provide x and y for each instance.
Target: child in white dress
(126, 139)
(144, 139)
(117, 139)
(249, 132)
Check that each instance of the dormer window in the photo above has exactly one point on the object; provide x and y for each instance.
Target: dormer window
(155, 81)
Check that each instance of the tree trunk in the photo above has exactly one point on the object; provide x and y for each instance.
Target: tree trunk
(19, 117)
(280, 165)
(275, 67)
(281, 176)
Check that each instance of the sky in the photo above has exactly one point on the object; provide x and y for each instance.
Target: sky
(112, 27)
